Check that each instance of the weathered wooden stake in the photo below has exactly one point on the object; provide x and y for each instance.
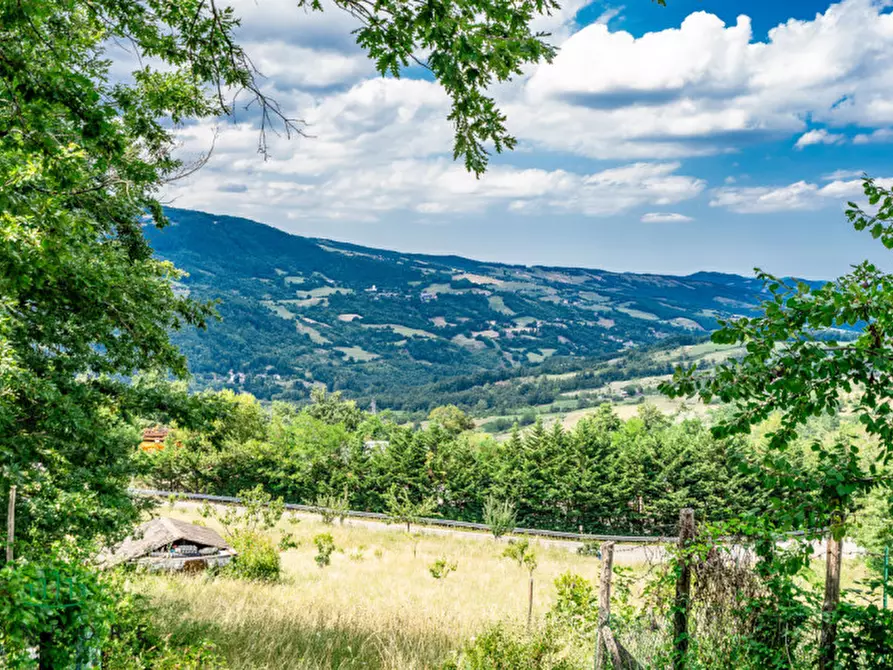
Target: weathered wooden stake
(11, 524)
(530, 603)
(827, 646)
(682, 604)
(604, 603)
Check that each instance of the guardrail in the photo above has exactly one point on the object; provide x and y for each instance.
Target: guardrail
(446, 523)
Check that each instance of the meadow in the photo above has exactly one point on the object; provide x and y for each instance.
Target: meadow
(376, 606)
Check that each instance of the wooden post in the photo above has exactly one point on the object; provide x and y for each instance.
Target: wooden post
(604, 603)
(530, 602)
(11, 524)
(682, 603)
(833, 559)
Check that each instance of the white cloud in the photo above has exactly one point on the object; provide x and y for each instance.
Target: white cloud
(819, 136)
(441, 187)
(706, 87)
(609, 15)
(880, 135)
(839, 175)
(665, 217)
(290, 66)
(801, 195)
(384, 145)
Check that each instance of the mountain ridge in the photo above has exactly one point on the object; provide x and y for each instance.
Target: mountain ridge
(303, 310)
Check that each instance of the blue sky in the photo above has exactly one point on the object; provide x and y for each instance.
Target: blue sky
(706, 135)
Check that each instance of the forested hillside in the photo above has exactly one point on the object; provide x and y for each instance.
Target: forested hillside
(297, 311)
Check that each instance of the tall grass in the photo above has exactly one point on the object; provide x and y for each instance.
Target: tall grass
(383, 611)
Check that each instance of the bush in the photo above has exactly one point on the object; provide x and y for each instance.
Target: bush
(865, 638)
(502, 649)
(500, 516)
(331, 507)
(442, 567)
(325, 545)
(136, 644)
(257, 558)
(576, 605)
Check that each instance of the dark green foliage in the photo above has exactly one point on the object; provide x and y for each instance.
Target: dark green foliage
(865, 637)
(606, 475)
(135, 644)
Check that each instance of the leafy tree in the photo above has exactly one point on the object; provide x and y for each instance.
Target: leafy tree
(325, 547)
(331, 507)
(401, 509)
(795, 367)
(521, 552)
(451, 419)
(330, 408)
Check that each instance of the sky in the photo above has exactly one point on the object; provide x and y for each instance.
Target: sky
(705, 135)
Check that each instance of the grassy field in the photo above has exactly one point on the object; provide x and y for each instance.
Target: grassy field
(357, 354)
(375, 606)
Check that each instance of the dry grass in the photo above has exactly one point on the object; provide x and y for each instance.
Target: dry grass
(382, 611)
(376, 606)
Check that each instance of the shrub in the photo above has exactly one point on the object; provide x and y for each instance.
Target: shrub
(576, 605)
(502, 649)
(331, 507)
(865, 638)
(500, 516)
(257, 558)
(402, 509)
(325, 545)
(136, 644)
(442, 567)
(520, 552)
(288, 541)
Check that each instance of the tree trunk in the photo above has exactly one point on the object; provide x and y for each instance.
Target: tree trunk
(11, 525)
(833, 559)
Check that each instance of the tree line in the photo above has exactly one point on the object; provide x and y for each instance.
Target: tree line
(604, 475)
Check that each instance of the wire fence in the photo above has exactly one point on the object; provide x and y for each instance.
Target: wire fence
(445, 523)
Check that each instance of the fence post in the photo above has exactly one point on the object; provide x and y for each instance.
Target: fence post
(833, 558)
(604, 602)
(11, 524)
(682, 603)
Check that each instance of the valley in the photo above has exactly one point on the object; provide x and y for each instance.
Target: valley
(380, 324)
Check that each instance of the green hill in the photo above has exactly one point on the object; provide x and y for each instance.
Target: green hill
(297, 311)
